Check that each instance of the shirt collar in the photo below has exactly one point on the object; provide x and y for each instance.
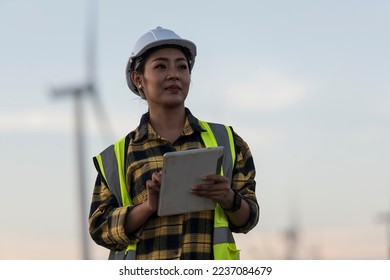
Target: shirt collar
(145, 130)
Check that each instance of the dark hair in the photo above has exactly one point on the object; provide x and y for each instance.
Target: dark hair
(139, 63)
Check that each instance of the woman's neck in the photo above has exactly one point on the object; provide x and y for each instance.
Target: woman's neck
(168, 124)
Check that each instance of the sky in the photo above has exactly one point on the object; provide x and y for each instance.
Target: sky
(305, 83)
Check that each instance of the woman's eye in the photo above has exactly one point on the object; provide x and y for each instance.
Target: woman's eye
(160, 66)
(183, 67)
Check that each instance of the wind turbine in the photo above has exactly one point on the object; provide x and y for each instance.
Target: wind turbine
(78, 92)
(384, 218)
(293, 232)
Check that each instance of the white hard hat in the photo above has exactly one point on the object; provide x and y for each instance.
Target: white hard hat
(154, 38)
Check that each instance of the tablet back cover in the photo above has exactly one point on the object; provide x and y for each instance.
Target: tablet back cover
(181, 171)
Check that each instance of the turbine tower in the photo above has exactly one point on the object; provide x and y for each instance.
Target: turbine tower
(293, 232)
(78, 92)
(384, 218)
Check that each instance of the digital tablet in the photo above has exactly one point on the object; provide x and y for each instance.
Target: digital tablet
(181, 171)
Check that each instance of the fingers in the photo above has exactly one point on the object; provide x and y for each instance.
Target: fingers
(213, 183)
(154, 182)
(216, 178)
(151, 186)
(156, 177)
(216, 196)
(216, 187)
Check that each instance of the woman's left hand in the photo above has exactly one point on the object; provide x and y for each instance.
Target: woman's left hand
(217, 188)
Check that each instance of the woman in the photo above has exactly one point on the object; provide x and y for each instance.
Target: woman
(123, 211)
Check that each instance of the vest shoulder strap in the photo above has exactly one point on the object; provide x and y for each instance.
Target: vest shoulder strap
(221, 135)
(111, 166)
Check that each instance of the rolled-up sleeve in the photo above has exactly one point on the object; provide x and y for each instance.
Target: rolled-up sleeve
(107, 219)
(244, 182)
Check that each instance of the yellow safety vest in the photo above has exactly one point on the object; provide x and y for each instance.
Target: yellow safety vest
(111, 166)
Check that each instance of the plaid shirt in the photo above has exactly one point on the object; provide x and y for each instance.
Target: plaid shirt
(185, 236)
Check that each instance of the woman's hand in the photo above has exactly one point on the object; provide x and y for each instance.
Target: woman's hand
(141, 212)
(152, 189)
(217, 188)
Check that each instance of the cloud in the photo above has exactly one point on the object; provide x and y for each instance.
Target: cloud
(62, 121)
(260, 139)
(265, 90)
(35, 120)
(382, 106)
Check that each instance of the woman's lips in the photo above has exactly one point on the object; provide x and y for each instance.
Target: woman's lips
(173, 87)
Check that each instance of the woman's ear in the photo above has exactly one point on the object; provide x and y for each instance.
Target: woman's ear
(136, 78)
(137, 81)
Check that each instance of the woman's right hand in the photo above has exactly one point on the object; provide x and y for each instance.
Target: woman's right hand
(152, 189)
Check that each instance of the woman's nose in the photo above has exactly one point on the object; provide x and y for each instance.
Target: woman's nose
(173, 74)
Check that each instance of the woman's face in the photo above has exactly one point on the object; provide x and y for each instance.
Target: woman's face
(166, 78)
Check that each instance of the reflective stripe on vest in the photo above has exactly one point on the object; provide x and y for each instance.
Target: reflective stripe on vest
(111, 166)
(114, 176)
(224, 247)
